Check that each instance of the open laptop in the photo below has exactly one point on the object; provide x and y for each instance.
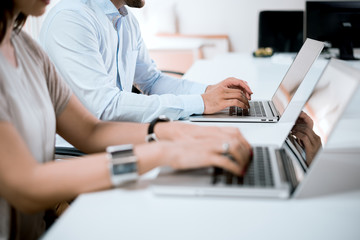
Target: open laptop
(272, 110)
(275, 172)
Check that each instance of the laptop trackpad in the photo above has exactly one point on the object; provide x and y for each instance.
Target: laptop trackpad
(168, 176)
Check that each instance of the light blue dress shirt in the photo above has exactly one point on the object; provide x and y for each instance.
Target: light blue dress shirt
(99, 51)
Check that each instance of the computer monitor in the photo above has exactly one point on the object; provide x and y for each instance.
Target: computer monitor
(281, 30)
(335, 22)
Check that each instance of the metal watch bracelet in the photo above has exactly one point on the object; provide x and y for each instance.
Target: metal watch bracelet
(122, 164)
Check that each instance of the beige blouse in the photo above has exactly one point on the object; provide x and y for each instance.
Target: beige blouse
(31, 96)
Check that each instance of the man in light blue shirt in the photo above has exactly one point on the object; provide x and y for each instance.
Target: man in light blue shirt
(97, 47)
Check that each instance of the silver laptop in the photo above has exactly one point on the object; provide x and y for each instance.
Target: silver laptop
(275, 172)
(272, 110)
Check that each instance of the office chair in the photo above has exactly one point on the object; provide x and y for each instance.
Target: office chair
(172, 72)
(281, 30)
(67, 152)
(135, 90)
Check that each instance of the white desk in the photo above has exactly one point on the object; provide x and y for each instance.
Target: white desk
(264, 76)
(138, 214)
(135, 213)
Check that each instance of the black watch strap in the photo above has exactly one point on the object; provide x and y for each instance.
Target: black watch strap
(151, 135)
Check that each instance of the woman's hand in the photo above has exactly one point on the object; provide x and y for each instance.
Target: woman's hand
(195, 153)
(177, 130)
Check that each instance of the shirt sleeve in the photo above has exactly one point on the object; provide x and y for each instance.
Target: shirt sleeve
(58, 90)
(152, 81)
(4, 114)
(72, 42)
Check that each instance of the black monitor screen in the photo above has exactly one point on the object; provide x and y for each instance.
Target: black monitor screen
(336, 22)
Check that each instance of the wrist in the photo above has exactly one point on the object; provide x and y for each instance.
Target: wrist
(204, 98)
(149, 156)
(175, 130)
(208, 88)
(154, 134)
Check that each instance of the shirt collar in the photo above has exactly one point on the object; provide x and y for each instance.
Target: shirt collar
(111, 11)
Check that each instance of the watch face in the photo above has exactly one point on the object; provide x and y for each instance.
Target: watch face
(124, 168)
(122, 153)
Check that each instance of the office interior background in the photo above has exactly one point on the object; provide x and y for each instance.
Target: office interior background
(179, 32)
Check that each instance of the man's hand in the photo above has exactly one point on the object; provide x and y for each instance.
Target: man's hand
(229, 92)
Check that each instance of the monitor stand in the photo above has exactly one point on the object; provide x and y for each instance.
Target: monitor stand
(346, 44)
(347, 52)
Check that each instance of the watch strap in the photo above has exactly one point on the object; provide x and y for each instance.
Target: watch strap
(151, 134)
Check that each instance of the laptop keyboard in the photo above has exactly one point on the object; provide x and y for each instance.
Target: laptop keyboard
(256, 110)
(258, 174)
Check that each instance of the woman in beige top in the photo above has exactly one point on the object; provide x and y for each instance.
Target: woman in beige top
(35, 104)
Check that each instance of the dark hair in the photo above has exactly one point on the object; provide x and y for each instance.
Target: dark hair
(6, 11)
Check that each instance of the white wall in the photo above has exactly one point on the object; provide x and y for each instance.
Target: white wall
(33, 24)
(236, 18)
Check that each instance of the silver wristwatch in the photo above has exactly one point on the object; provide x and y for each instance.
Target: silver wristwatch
(122, 164)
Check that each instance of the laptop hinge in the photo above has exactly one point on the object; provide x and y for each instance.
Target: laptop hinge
(274, 111)
(287, 171)
(298, 151)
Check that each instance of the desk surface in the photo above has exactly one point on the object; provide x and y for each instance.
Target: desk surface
(136, 213)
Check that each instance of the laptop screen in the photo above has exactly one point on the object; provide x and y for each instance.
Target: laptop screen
(326, 104)
(302, 63)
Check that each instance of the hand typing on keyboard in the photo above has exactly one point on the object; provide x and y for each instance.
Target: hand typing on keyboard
(230, 92)
(256, 173)
(230, 154)
(245, 112)
(236, 111)
(256, 109)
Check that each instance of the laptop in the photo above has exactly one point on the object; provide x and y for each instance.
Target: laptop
(275, 172)
(271, 110)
